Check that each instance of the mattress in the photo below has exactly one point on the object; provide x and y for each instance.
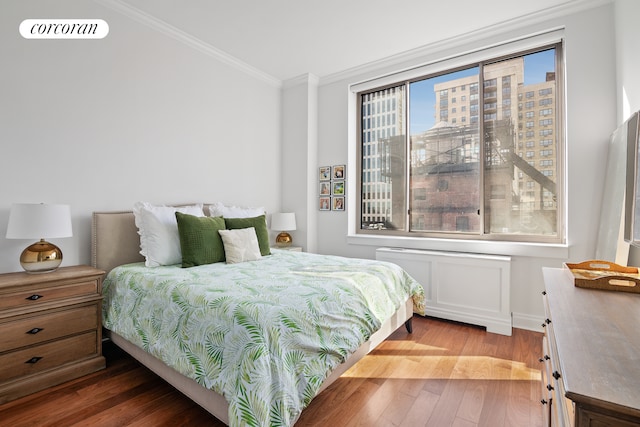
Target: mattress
(264, 334)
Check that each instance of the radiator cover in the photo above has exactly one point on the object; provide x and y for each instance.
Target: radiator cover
(465, 287)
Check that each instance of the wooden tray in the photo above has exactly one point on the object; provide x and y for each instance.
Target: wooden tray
(598, 274)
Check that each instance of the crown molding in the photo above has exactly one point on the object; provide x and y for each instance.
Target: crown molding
(466, 39)
(431, 49)
(307, 79)
(175, 33)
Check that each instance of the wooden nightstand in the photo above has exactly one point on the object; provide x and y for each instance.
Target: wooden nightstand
(50, 328)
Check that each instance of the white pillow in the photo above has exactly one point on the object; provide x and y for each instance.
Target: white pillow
(240, 245)
(219, 209)
(158, 230)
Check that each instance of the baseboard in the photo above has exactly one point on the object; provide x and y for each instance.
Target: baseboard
(492, 324)
(528, 322)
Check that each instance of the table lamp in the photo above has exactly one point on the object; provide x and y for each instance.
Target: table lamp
(283, 222)
(39, 221)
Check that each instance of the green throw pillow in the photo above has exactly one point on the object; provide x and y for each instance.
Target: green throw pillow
(259, 223)
(200, 241)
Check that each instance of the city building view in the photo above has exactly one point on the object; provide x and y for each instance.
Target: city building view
(439, 169)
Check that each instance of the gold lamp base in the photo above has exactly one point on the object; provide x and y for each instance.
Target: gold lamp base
(41, 257)
(283, 239)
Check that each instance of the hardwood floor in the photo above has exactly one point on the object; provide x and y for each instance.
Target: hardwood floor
(444, 374)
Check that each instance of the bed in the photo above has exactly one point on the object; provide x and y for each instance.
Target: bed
(255, 367)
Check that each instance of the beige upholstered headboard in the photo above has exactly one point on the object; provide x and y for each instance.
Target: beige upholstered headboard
(114, 240)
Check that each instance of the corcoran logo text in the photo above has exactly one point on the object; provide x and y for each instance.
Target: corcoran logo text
(64, 29)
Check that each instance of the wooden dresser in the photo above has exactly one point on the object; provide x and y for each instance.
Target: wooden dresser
(50, 328)
(591, 372)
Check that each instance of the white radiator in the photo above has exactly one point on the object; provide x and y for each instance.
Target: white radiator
(469, 288)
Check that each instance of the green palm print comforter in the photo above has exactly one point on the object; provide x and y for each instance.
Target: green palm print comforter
(265, 334)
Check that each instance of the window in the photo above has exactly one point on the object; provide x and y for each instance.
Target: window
(490, 83)
(465, 178)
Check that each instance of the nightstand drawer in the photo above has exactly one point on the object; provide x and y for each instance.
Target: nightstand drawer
(32, 298)
(36, 329)
(50, 328)
(39, 358)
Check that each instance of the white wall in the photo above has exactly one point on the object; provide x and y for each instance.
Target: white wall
(627, 59)
(299, 157)
(628, 69)
(139, 115)
(591, 117)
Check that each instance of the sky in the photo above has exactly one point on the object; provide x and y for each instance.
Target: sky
(423, 98)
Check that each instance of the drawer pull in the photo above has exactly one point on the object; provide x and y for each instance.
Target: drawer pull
(544, 402)
(33, 360)
(35, 331)
(542, 359)
(544, 292)
(547, 321)
(550, 387)
(556, 375)
(34, 297)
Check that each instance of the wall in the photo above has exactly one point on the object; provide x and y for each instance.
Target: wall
(628, 66)
(591, 117)
(139, 115)
(299, 157)
(627, 58)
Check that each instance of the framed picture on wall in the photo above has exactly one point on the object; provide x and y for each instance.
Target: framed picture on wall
(337, 203)
(338, 188)
(324, 203)
(338, 172)
(325, 188)
(325, 173)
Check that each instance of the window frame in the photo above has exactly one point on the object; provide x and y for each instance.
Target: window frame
(481, 57)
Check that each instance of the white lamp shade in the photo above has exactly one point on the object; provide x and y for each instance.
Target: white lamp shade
(39, 221)
(283, 221)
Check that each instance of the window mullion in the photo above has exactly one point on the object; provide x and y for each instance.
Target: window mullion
(482, 159)
(407, 139)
